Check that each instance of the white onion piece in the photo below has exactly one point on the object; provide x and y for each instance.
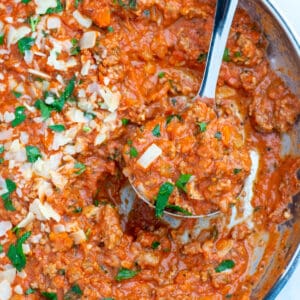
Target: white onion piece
(4, 227)
(88, 40)
(78, 236)
(82, 20)
(43, 5)
(5, 290)
(149, 156)
(53, 23)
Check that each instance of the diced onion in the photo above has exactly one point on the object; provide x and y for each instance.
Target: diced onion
(4, 227)
(78, 236)
(26, 221)
(82, 20)
(53, 23)
(111, 99)
(39, 73)
(149, 156)
(43, 5)
(88, 40)
(43, 211)
(16, 34)
(5, 290)
(9, 275)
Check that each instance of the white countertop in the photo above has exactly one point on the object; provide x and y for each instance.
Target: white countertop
(290, 11)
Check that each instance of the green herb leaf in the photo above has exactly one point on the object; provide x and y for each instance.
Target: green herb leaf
(57, 127)
(30, 291)
(162, 198)
(202, 57)
(107, 298)
(161, 74)
(1, 248)
(202, 126)
(25, 1)
(25, 43)
(44, 108)
(156, 130)
(237, 54)
(75, 49)
(1, 39)
(171, 117)
(226, 56)
(133, 152)
(17, 94)
(124, 273)
(11, 187)
(76, 289)
(80, 168)
(20, 116)
(55, 10)
(15, 252)
(182, 181)
(236, 171)
(50, 296)
(178, 209)
(218, 135)
(155, 245)
(1, 149)
(77, 210)
(89, 116)
(33, 153)
(132, 4)
(68, 92)
(110, 29)
(33, 22)
(77, 3)
(125, 121)
(225, 265)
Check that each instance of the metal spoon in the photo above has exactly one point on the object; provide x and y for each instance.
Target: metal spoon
(225, 10)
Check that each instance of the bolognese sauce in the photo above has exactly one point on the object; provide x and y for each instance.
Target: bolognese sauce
(82, 80)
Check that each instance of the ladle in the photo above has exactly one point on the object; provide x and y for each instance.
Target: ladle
(224, 13)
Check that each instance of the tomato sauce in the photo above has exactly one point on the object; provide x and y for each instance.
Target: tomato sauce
(79, 81)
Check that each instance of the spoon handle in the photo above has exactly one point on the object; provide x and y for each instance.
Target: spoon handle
(224, 14)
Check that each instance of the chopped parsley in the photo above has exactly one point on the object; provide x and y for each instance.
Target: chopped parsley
(162, 198)
(237, 54)
(77, 210)
(155, 245)
(25, 1)
(49, 295)
(1, 149)
(225, 265)
(110, 29)
(20, 116)
(156, 130)
(202, 126)
(89, 116)
(17, 94)
(80, 168)
(75, 47)
(226, 55)
(133, 152)
(161, 74)
(58, 103)
(132, 4)
(33, 22)
(1, 39)
(30, 291)
(55, 10)
(236, 171)
(202, 57)
(125, 273)
(77, 2)
(25, 44)
(33, 153)
(125, 121)
(11, 187)
(171, 117)
(57, 127)
(179, 209)
(182, 181)
(15, 252)
(218, 135)
(1, 248)
(73, 292)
